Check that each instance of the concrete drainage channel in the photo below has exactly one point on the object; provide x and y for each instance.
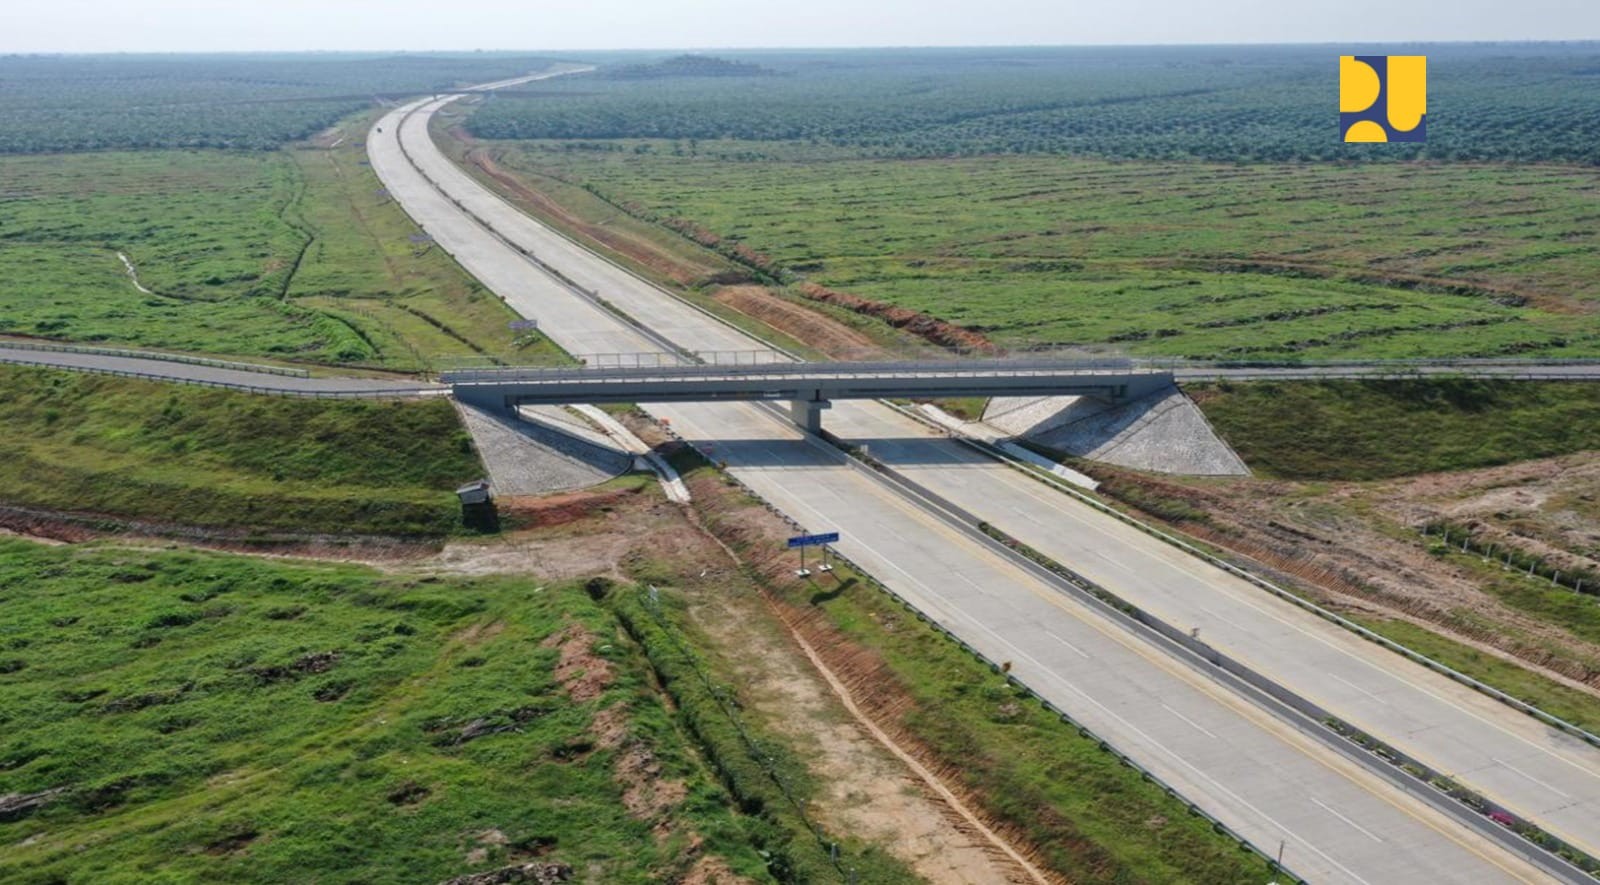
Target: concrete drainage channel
(1478, 813)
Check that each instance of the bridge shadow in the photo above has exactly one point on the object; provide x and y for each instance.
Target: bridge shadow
(798, 453)
(526, 457)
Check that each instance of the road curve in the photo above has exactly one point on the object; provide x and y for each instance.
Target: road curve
(1262, 777)
(1538, 772)
(155, 369)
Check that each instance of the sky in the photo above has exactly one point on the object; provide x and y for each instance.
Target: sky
(251, 25)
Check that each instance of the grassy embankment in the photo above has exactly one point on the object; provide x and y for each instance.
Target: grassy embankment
(1156, 258)
(1350, 430)
(652, 251)
(294, 255)
(1093, 819)
(1578, 707)
(1359, 430)
(219, 718)
(216, 458)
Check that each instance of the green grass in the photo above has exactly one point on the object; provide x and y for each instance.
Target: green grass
(1575, 613)
(1357, 430)
(204, 229)
(1578, 707)
(761, 772)
(295, 254)
(196, 456)
(1164, 258)
(412, 300)
(1094, 819)
(222, 719)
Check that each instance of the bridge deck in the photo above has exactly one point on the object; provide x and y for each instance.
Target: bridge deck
(805, 382)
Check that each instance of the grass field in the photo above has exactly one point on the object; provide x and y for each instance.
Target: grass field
(195, 456)
(1354, 430)
(1187, 259)
(1039, 774)
(1092, 818)
(296, 254)
(204, 230)
(215, 718)
(1579, 708)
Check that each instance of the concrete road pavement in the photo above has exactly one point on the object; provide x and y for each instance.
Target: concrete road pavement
(1536, 771)
(1341, 825)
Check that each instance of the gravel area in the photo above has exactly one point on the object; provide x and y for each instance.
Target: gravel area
(1165, 432)
(527, 458)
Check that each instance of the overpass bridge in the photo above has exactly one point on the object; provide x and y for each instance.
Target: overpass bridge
(808, 387)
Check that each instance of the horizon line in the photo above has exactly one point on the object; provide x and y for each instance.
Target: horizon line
(814, 48)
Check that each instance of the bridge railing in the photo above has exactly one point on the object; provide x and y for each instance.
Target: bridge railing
(1182, 363)
(667, 368)
(38, 346)
(258, 389)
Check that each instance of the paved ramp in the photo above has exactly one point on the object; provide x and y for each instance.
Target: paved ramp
(538, 457)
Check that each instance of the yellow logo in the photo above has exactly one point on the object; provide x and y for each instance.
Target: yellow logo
(1383, 97)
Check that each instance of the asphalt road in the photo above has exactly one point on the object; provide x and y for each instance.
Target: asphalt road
(1249, 769)
(214, 376)
(1585, 371)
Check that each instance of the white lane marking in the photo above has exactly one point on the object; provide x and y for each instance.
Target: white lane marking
(1366, 832)
(1358, 688)
(1194, 770)
(1212, 612)
(1066, 643)
(927, 590)
(1117, 565)
(1088, 518)
(1505, 764)
(1197, 726)
(939, 600)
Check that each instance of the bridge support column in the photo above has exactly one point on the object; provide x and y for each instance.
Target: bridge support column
(807, 413)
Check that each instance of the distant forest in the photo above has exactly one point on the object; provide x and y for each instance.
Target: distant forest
(687, 66)
(1486, 102)
(1495, 102)
(252, 102)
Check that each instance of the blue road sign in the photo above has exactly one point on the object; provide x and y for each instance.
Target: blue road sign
(814, 540)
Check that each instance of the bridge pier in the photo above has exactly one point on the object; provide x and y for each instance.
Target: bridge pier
(807, 413)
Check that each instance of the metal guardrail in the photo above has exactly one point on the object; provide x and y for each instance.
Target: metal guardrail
(766, 362)
(1381, 758)
(1221, 828)
(304, 393)
(766, 357)
(1179, 363)
(1482, 373)
(883, 369)
(1289, 596)
(161, 356)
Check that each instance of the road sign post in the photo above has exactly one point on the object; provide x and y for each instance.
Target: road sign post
(803, 541)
